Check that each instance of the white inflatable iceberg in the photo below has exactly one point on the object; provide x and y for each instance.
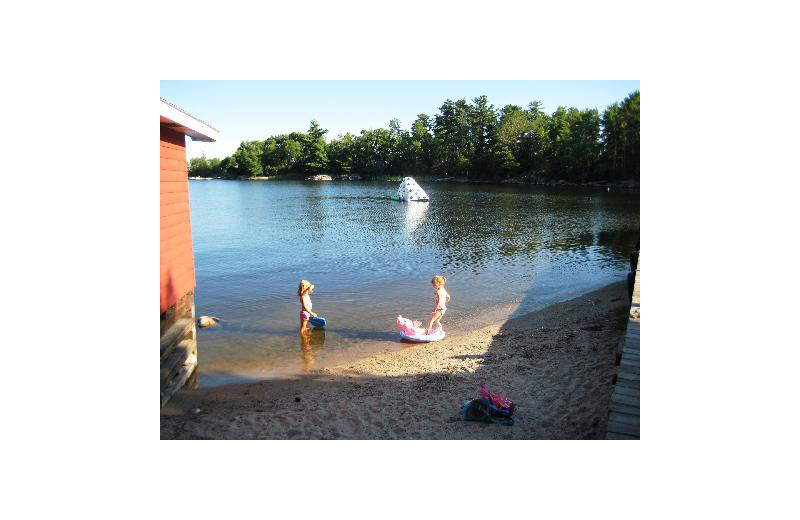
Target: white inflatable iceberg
(410, 190)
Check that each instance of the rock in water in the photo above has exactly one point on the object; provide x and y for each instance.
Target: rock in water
(207, 321)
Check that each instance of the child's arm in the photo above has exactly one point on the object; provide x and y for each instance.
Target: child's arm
(447, 296)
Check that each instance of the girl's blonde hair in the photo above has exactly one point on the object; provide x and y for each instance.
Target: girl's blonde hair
(304, 287)
(438, 281)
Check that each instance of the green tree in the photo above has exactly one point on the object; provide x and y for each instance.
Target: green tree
(535, 143)
(315, 158)
(200, 167)
(340, 154)
(557, 154)
(271, 156)
(512, 129)
(630, 131)
(245, 161)
(421, 147)
(585, 146)
(485, 158)
(574, 144)
(620, 139)
(283, 153)
(399, 148)
(462, 139)
(214, 163)
(451, 139)
(611, 137)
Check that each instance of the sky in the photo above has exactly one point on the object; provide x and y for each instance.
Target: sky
(250, 110)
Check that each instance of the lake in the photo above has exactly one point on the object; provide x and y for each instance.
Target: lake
(505, 250)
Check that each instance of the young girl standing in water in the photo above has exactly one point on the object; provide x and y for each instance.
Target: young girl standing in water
(442, 299)
(304, 291)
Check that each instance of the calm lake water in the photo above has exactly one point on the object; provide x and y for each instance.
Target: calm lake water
(371, 258)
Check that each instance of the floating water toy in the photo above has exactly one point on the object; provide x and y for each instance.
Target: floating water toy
(413, 331)
(317, 321)
(409, 190)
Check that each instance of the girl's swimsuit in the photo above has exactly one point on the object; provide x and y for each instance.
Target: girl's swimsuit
(305, 315)
(441, 307)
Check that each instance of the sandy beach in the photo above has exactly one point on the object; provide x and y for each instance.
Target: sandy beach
(556, 364)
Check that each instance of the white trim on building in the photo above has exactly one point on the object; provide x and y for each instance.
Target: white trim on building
(187, 124)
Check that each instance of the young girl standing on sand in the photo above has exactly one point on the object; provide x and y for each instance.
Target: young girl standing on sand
(304, 291)
(442, 299)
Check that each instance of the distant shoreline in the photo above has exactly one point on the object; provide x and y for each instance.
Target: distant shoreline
(621, 184)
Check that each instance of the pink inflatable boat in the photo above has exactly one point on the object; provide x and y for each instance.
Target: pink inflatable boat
(414, 331)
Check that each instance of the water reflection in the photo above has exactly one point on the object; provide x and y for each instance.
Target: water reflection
(373, 258)
(618, 242)
(414, 215)
(314, 217)
(311, 342)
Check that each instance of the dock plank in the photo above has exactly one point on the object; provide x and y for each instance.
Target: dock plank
(623, 410)
(628, 429)
(624, 418)
(624, 406)
(628, 384)
(620, 436)
(622, 390)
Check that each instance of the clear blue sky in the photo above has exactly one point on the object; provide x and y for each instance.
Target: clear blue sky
(247, 110)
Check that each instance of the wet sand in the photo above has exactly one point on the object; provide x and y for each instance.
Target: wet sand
(556, 364)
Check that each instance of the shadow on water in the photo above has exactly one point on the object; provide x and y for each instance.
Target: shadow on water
(553, 366)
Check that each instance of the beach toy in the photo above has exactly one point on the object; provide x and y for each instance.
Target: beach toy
(409, 190)
(490, 407)
(317, 321)
(413, 331)
(497, 400)
(481, 409)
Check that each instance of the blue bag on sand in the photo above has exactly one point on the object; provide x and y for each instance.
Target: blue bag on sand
(317, 321)
(482, 409)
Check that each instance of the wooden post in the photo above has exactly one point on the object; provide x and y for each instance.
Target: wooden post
(178, 350)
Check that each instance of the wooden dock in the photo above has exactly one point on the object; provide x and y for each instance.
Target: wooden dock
(623, 410)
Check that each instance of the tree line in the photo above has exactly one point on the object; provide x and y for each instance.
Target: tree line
(464, 139)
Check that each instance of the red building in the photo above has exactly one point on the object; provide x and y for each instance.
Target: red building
(178, 333)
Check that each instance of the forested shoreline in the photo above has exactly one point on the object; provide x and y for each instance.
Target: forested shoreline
(466, 140)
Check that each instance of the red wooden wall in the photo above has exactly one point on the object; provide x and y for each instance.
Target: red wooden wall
(177, 257)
